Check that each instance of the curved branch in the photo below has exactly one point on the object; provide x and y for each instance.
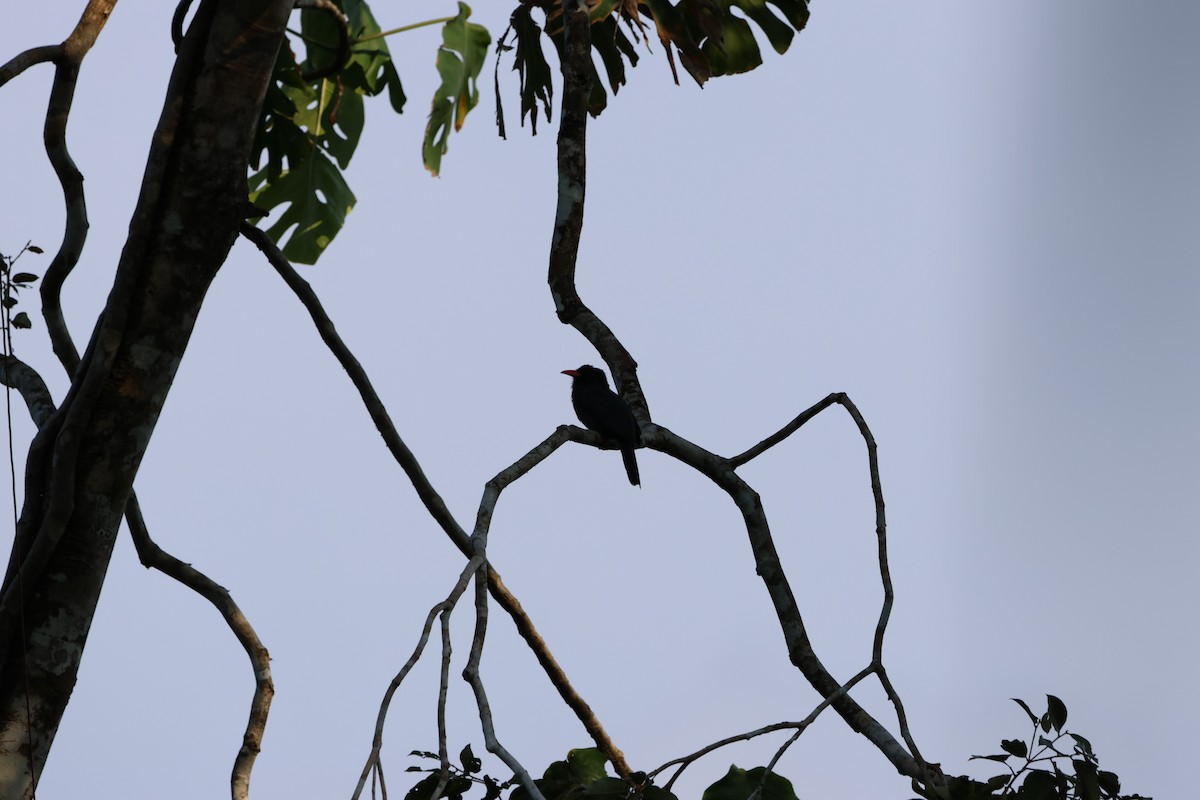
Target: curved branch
(770, 569)
(786, 430)
(29, 58)
(429, 496)
(568, 219)
(16, 374)
(799, 727)
(153, 556)
(41, 407)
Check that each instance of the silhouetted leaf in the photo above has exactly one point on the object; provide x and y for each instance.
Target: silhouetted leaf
(1087, 782)
(1032, 717)
(739, 784)
(21, 320)
(1038, 786)
(1056, 710)
(24, 277)
(1110, 784)
(470, 763)
(1014, 746)
(33, 248)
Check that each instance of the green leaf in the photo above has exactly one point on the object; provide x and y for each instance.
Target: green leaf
(1014, 746)
(21, 320)
(470, 763)
(1056, 711)
(370, 70)
(739, 51)
(739, 784)
(587, 765)
(606, 787)
(459, 60)
(319, 201)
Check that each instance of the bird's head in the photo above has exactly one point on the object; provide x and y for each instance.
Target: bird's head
(587, 374)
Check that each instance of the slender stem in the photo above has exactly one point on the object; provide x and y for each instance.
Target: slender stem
(404, 28)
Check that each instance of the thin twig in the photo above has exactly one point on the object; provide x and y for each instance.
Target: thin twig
(429, 496)
(785, 431)
(373, 760)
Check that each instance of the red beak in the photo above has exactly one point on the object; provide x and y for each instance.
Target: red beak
(573, 373)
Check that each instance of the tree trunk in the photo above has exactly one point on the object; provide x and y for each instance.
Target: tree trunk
(82, 464)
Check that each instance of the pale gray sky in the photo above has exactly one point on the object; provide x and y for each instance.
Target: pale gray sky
(978, 222)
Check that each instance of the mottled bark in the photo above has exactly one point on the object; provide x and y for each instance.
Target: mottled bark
(82, 464)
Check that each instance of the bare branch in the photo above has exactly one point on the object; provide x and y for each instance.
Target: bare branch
(472, 676)
(799, 727)
(18, 375)
(786, 430)
(770, 569)
(433, 501)
(568, 220)
(29, 58)
(373, 760)
(151, 555)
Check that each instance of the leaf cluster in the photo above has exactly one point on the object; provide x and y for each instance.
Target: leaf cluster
(707, 38)
(310, 127)
(1051, 764)
(13, 283)
(583, 774)
(461, 778)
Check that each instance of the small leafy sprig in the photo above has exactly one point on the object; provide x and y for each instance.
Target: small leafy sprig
(1053, 764)
(13, 283)
(462, 778)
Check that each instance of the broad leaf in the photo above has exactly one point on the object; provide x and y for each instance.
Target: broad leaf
(739, 784)
(459, 60)
(1056, 710)
(318, 199)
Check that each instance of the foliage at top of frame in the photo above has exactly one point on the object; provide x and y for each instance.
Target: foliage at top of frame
(706, 36)
(313, 114)
(312, 121)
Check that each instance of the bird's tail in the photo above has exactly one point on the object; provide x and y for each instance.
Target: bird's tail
(631, 469)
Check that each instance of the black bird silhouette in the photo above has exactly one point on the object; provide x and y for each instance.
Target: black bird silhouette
(602, 410)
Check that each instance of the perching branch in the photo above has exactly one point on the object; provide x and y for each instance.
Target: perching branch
(568, 225)
(429, 496)
(568, 218)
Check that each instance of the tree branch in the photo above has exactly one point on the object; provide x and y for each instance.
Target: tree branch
(433, 501)
(568, 219)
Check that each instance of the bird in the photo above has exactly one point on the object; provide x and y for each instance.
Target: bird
(602, 410)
